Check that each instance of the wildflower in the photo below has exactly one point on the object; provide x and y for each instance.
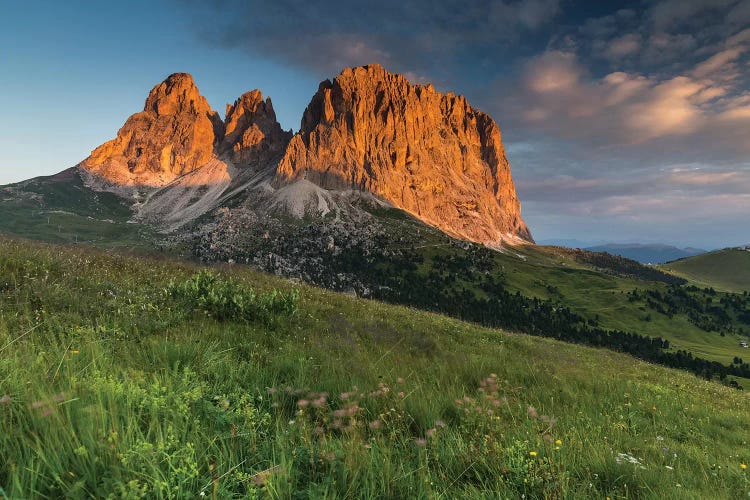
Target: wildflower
(743, 466)
(558, 442)
(532, 412)
(399, 380)
(421, 442)
(401, 394)
(321, 400)
(627, 457)
(430, 432)
(302, 403)
(439, 423)
(532, 453)
(5, 400)
(375, 425)
(660, 438)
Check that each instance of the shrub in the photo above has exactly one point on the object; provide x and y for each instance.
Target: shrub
(229, 300)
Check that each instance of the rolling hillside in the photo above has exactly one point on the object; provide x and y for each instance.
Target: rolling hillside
(727, 269)
(139, 378)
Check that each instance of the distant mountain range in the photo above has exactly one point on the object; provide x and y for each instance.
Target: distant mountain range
(647, 253)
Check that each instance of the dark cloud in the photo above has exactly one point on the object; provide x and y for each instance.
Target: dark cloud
(417, 36)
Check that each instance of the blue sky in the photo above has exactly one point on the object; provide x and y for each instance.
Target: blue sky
(623, 121)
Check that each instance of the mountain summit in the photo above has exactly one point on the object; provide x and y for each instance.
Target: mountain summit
(367, 131)
(173, 135)
(425, 152)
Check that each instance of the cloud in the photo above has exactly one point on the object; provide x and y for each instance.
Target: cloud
(721, 65)
(556, 93)
(667, 14)
(624, 46)
(407, 35)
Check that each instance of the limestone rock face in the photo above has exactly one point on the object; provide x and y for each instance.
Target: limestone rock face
(173, 135)
(428, 153)
(253, 137)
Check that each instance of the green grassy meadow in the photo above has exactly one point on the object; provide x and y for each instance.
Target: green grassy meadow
(120, 377)
(724, 269)
(546, 273)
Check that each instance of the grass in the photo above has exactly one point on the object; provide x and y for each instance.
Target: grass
(544, 272)
(111, 386)
(727, 270)
(59, 209)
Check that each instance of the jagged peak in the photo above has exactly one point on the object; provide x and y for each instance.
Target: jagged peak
(178, 92)
(252, 102)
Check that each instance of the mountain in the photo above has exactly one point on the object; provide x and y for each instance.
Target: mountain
(727, 269)
(368, 134)
(428, 153)
(646, 253)
(174, 135)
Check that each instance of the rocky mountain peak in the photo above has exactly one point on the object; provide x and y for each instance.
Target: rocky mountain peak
(428, 153)
(175, 94)
(177, 133)
(173, 135)
(252, 134)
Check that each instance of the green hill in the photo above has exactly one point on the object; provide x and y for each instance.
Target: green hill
(130, 377)
(727, 269)
(60, 209)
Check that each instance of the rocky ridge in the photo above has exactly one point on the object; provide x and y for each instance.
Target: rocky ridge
(367, 131)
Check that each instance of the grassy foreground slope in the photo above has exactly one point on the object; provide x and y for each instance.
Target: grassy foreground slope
(727, 269)
(129, 378)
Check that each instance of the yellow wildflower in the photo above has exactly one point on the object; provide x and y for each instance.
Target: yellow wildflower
(558, 442)
(532, 453)
(743, 466)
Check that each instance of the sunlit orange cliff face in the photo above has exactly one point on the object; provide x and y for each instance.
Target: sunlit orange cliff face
(177, 133)
(428, 153)
(425, 152)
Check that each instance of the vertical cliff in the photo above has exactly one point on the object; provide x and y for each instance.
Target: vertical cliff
(428, 153)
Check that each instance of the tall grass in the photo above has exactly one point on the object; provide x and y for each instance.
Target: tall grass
(117, 382)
